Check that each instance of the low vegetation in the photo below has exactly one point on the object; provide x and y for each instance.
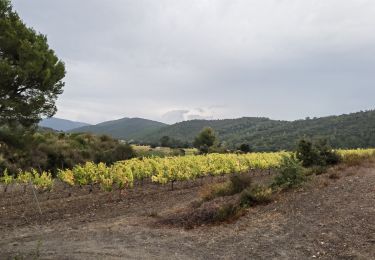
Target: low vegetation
(228, 200)
(291, 174)
(49, 151)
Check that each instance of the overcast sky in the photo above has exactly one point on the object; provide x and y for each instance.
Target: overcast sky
(173, 60)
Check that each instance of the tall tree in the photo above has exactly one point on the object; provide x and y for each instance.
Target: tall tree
(205, 139)
(30, 72)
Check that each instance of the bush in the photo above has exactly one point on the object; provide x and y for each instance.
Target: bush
(245, 148)
(291, 174)
(318, 154)
(236, 184)
(326, 155)
(216, 190)
(239, 182)
(226, 212)
(255, 195)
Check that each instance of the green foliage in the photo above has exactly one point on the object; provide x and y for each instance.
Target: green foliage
(6, 178)
(291, 174)
(205, 139)
(318, 154)
(326, 154)
(307, 154)
(30, 72)
(49, 151)
(245, 148)
(164, 141)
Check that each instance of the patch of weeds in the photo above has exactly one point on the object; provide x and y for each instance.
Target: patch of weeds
(216, 190)
(316, 170)
(334, 176)
(236, 184)
(196, 203)
(323, 183)
(227, 212)
(240, 182)
(255, 195)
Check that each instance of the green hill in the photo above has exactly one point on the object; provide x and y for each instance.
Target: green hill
(345, 131)
(60, 124)
(125, 128)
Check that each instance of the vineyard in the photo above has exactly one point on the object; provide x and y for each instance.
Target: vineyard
(124, 174)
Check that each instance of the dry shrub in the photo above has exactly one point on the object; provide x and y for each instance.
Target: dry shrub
(227, 212)
(240, 182)
(236, 184)
(334, 176)
(255, 195)
(210, 192)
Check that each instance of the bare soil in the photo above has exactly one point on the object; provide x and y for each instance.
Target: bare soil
(331, 217)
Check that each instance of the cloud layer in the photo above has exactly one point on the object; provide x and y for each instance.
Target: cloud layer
(175, 60)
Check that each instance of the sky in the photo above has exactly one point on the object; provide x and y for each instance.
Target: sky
(175, 60)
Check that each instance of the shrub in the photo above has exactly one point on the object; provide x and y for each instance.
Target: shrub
(318, 154)
(239, 182)
(236, 184)
(216, 190)
(255, 195)
(291, 173)
(326, 155)
(245, 148)
(307, 153)
(226, 212)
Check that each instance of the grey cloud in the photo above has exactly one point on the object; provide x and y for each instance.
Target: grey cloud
(253, 58)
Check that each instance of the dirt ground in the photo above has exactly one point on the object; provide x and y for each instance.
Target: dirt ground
(331, 217)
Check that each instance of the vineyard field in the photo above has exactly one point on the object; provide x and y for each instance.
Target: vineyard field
(122, 175)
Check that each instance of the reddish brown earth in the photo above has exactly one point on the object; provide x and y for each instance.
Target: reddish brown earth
(331, 217)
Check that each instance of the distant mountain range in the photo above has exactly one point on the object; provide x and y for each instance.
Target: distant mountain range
(125, 128)
(354, 130)
(60, 124)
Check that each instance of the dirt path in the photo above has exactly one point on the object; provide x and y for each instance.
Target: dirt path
(328, 219)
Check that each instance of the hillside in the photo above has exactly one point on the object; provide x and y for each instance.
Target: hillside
(124, 128)
(263, 134)
(60, 124)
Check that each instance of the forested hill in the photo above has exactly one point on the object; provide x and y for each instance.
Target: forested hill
(125, 128)
(345, 131)
(60, 124)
